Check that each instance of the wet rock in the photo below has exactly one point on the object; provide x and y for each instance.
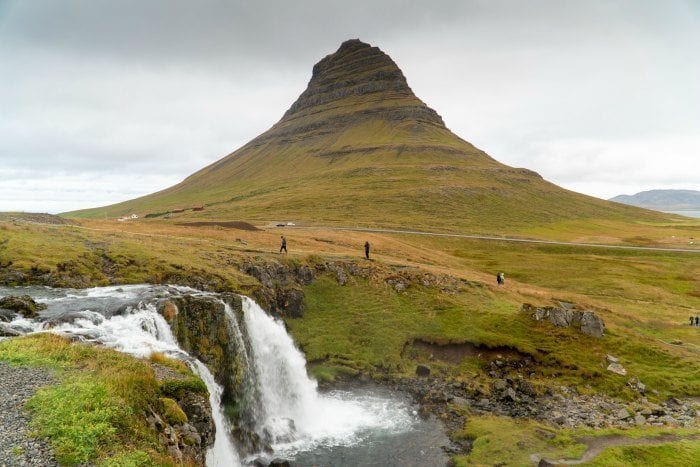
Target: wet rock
(617, 369)
(202, 329)
(422, 370)
(8, 331)
(22, 304)
(279, 463)
(7, 315)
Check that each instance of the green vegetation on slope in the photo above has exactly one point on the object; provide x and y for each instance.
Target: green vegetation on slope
(365, 327)
(95, 414)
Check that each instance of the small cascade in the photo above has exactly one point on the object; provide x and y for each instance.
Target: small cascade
(223, 453)
(141, 331)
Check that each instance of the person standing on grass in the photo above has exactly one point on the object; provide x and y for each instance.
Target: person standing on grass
(284, 245)
(367, 250)
(697, 320)
(692, 320)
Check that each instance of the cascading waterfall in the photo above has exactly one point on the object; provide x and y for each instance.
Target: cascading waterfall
(294, 415)
(140, 332)
(277, 401)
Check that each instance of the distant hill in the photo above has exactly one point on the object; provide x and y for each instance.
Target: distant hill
(359, 148)
(663, 200)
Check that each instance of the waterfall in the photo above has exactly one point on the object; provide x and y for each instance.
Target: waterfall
(279, 405)
(294, 416)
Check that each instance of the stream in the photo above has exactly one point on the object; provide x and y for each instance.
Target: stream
(361, 426)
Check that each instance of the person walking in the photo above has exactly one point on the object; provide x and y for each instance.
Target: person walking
(367, 250)
(697, 320)
(692, 320)
(284, 245)
(500, 278)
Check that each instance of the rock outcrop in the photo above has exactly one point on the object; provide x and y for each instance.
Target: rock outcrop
(202, 329)
(183, 420)
(22, 304)
(281, 286)
(567, 315)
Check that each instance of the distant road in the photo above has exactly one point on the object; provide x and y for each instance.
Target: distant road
(500, 239)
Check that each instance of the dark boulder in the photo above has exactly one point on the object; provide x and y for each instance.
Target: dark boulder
(279, 463)
(422, 370)
(23, 304)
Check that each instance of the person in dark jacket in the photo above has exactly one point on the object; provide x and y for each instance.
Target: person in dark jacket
(367, 250)
(697, 320)
(284, 245)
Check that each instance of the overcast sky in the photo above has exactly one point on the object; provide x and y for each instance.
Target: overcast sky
(102, 101)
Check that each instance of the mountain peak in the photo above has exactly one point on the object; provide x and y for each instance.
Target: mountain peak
(360, 75)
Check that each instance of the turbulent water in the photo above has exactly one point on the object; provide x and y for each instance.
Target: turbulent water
(282, 405)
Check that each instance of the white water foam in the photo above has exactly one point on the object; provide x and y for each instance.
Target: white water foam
(140, 333)
(294, 415)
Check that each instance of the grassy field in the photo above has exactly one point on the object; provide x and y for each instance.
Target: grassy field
(644, 297)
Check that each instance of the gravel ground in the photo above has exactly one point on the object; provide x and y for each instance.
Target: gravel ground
(17, 448)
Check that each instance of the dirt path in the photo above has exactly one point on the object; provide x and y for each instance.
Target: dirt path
(17, 447)
(502, 239)
(596, 445)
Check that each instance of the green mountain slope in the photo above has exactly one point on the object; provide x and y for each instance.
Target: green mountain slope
(359, 148)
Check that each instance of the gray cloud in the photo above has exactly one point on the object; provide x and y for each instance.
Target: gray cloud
(124, 98)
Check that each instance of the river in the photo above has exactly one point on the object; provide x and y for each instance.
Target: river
(359, 426)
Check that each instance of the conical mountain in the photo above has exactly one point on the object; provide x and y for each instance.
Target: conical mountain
(359, 148)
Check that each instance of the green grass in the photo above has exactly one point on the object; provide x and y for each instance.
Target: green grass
(68, 256)
(96, 412)
(664, 455)
(508, 441)
(365, 326)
